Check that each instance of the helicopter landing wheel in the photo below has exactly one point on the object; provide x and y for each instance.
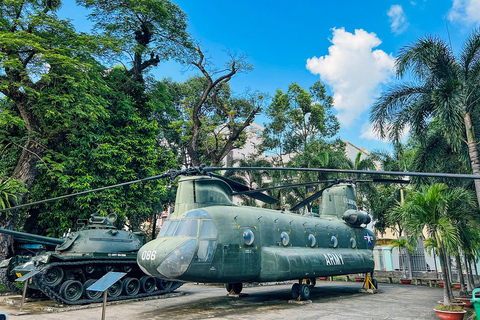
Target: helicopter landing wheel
(234, 288)
(295, 291)
(304, 292)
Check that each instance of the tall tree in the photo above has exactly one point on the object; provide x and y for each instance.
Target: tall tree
(446, 87)
(211, 119)
(299, 117)
(48, 76)
(432, 208)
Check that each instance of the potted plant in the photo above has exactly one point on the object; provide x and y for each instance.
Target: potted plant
(449, 312)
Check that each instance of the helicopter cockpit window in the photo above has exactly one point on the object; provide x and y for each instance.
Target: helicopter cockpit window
(187, 228)
(205, 251)
(164, 229)
(208, 229)
(198, 214)
(171, 228)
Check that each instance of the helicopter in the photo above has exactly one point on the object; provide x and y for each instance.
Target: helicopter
(210, 239)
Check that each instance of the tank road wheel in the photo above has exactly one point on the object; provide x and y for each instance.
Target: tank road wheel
(93, 295)
(54, 276)
(304, 292)
(131, 286)
(164, 284)
(147, 284)
(295, 291)
(116, 289)
(71, 290)
(89, 269)
(127, 269)
(107, 268)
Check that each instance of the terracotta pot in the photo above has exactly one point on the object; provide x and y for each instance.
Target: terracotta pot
(450, 315)
(322, 278)
(359, 279)
(457, 286)
(406, 281)
(440, 284)
(467, 302)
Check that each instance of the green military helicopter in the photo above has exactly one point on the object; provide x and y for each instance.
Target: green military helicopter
(210, 239)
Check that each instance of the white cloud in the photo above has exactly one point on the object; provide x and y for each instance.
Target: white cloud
(368, 133)
(353, 71)
(465, 11)
(397, 18)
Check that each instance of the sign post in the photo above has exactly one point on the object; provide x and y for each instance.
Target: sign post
(103, 284)
(25, 283)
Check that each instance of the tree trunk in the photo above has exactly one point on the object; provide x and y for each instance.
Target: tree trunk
(470, 284)
(461, 279)
(444, 261)
(25, 171)
(409, 263)
(473, 152)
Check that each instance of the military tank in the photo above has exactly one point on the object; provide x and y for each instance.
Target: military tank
(25, 250)
(84, 256)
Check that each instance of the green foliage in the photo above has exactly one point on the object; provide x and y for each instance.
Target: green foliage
(10, 189)
(222, 115)
(298, 118)
(121, 147)
(449, 307)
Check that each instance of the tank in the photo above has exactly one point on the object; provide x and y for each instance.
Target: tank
(25, 250)
(84, 256)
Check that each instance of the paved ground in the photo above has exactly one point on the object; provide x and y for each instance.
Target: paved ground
(330, 300)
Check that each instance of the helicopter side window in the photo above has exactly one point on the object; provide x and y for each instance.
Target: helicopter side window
(171, 228)
(164, 229)
(205, 251)
(187, 228)
(208, 229)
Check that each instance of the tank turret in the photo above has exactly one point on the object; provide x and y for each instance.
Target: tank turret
(81, 257)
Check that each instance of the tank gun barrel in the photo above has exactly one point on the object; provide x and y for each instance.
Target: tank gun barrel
(52, 241)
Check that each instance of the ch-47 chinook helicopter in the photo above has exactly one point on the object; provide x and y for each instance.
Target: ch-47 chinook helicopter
(210, 239)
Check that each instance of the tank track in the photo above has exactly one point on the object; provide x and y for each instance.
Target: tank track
(9, 284)
(50, 292)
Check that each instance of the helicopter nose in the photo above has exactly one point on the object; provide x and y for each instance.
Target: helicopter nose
(166, 257)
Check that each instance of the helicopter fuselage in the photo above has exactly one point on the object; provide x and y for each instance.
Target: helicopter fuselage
(209, 239)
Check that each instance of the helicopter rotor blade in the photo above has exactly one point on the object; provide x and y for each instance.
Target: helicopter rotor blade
(169, 174)
(351, 171)
(237, 186)
(313, 197)
(285, 186)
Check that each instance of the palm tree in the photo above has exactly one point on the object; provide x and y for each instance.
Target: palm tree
(431, 209)
(445, 87)
(403, 245)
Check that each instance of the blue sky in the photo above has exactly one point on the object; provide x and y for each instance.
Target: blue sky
(349, 45)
